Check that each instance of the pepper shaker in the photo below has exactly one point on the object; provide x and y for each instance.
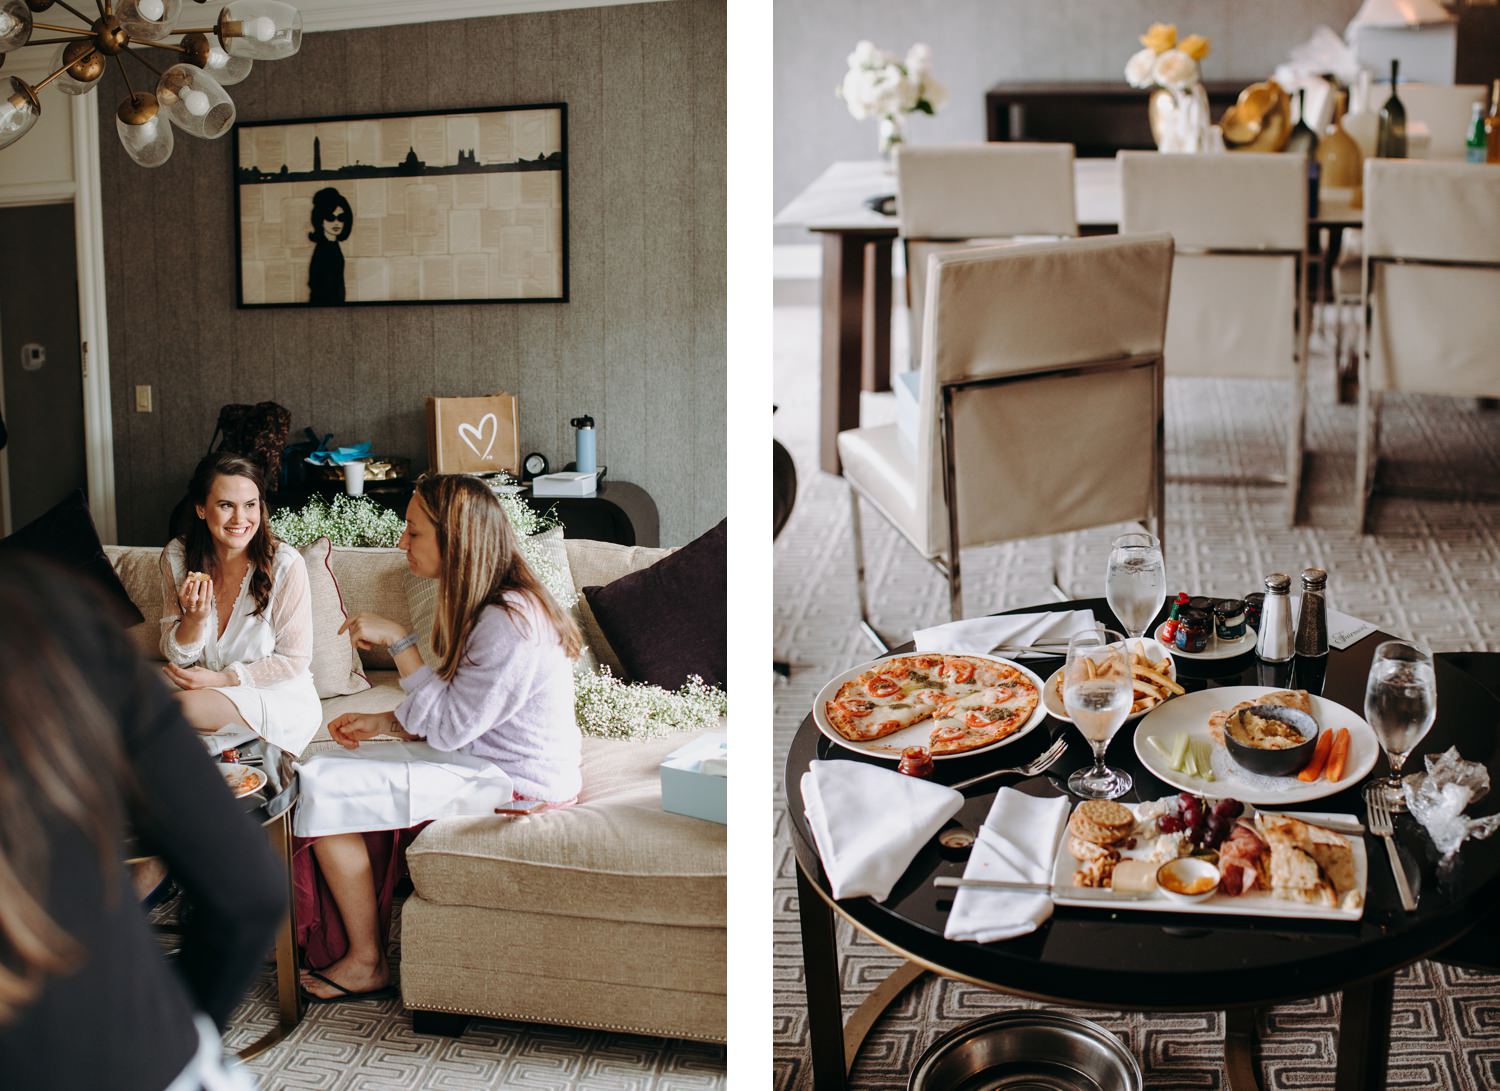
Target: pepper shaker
(1312, 616)
(1274, 643)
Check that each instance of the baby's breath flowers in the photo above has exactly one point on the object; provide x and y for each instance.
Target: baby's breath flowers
(348, 521)
(609, 708)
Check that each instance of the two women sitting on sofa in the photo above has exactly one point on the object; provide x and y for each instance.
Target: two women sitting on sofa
(495, 716)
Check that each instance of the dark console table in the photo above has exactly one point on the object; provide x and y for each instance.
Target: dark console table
(619, 512)
(1098, 119)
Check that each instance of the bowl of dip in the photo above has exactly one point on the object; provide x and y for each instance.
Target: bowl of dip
(1271, 740)
(1188, 879)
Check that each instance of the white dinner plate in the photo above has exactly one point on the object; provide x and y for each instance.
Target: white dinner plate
(1217, 649)
(918, 734)
(1255, 903)
(242, 780)
(1190, 712)
(1155, 650)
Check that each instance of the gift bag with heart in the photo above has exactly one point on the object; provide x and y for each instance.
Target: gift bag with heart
(473, 435)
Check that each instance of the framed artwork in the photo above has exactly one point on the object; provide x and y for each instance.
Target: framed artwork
(467, 206)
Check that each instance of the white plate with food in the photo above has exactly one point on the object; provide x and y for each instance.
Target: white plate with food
(243, 780)
(1182, 743)
(1155, 676)
(1266, 864)
(954, 705)
(1217, 649)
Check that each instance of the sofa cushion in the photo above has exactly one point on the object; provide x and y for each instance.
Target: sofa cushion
(65, 534)
(139, 569)
(370, 579)
(671, 620)
(596, 563)
(615, 855)
(335, 662)
(384, 694)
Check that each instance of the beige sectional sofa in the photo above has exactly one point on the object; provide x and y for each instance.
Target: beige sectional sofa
(608, 914)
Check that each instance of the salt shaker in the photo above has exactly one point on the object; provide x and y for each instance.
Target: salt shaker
(1312, 616)
(1274, 643)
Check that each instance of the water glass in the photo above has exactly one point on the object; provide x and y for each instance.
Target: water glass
(1097, 693)
(1136, 583)
(1400, 704)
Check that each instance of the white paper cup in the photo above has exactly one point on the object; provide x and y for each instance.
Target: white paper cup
(354, 478)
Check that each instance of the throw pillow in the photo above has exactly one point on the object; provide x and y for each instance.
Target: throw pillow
(67, 536)
(421, 597)
(335, 662)
(670, 621)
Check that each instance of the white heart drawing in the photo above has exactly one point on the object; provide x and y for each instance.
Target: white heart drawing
(486, 423)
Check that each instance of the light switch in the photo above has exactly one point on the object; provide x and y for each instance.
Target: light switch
(143, 399)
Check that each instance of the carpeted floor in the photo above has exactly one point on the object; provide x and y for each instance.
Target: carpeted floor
(1432, 570)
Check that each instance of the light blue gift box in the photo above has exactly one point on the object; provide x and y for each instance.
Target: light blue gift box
(695, 778)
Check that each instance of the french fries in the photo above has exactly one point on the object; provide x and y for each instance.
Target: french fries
(1153, 683)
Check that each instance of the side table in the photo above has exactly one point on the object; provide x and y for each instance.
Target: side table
(620, 512)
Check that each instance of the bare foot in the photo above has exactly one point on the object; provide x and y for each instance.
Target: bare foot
(355, 975)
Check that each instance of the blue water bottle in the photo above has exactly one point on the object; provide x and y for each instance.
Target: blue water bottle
(584, 445)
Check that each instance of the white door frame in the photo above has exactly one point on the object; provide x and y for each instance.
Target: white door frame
(93, 319)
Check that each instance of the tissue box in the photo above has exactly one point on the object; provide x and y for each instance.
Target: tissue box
(908, 387)
(571, 483)
(695, 778)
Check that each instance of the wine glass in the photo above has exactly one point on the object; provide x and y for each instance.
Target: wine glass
(1097, 692)
(1400, 703)
(1136, 583)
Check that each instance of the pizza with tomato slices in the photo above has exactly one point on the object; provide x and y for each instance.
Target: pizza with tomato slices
(970, 702)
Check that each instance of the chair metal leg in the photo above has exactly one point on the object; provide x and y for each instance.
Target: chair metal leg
(866, 626)
(1297, 438)
(1366, 438)
(955, 587)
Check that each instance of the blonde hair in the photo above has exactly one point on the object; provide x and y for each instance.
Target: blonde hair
(479, 561)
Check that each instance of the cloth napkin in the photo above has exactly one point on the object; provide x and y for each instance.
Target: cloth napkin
(227, 738)
(1017, 843)
(977, 635)
(1344, 630)
(870, 822)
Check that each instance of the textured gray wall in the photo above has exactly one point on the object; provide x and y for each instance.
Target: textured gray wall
(641, 345)
(976, 43)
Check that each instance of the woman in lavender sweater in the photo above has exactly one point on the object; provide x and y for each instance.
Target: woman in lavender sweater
(502, 694)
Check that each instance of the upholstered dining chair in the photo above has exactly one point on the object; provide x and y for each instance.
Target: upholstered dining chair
(1040, 403)
(1431, 278)
(961, 195)
(1239, 284)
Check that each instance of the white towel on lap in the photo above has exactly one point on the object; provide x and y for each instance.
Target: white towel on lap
(393, 785)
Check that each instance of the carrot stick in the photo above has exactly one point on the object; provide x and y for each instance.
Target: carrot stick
(1314, 768)
(1339, 755)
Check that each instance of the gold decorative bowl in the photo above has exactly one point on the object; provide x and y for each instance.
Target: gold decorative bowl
(1260, 120)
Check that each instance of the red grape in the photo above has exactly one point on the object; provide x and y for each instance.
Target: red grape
(1229, 809)
(1169, 823)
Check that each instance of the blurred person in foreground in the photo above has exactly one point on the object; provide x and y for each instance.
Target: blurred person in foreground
(94, 750)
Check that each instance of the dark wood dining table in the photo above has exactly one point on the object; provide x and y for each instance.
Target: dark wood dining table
(1111, 957)
(855, 284)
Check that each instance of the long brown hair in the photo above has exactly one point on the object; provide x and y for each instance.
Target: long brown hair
(198, 550)
(61, 761)
(479, 560)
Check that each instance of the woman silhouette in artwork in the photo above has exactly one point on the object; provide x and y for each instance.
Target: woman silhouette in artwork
(332, 220)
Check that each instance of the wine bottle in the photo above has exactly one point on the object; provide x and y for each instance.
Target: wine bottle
(1391, 143)
(1302, 141)
(1492, 126)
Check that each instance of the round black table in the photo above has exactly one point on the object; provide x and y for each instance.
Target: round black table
(1122, 960)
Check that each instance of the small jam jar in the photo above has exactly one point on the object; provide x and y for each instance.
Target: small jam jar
(1253, 602)
(1229, 619)
(916, 761)
(1193, 627)
(1202, 602)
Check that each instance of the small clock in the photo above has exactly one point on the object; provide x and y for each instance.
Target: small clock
(533, 465)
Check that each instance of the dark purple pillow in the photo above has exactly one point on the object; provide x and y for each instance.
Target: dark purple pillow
(669, 621)
(66, 535)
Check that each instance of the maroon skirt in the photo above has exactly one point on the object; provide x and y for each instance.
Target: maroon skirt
(320, 929)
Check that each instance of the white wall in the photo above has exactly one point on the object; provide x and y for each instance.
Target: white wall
(976, 43)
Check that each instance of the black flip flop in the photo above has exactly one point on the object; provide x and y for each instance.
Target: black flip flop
(345, 994)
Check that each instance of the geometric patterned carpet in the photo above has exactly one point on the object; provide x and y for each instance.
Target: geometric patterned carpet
(1430, 570)
(369, 1045)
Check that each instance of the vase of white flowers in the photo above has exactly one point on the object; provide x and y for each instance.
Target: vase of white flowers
(1179, 105)
(881, 85)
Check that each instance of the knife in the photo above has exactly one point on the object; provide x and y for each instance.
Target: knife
(1101, 894)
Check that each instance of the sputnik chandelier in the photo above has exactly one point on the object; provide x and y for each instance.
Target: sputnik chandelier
(190, 93)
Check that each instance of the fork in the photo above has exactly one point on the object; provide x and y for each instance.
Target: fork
(1039, 764)
(1381, 825)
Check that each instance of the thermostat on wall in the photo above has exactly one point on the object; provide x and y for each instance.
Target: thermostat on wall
(565, 484)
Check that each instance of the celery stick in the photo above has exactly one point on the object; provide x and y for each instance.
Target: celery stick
(1189, 761)
(1179, 750)
(1160, 749)
(1203, 758)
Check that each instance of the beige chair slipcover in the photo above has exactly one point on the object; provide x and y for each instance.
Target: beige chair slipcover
(956, 196)
(1446, 110)
(1239, 285)
(1431, 291)
(1043, 362)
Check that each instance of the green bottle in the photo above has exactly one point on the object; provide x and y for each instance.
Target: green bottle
(1391, 143)
(1475, 146)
